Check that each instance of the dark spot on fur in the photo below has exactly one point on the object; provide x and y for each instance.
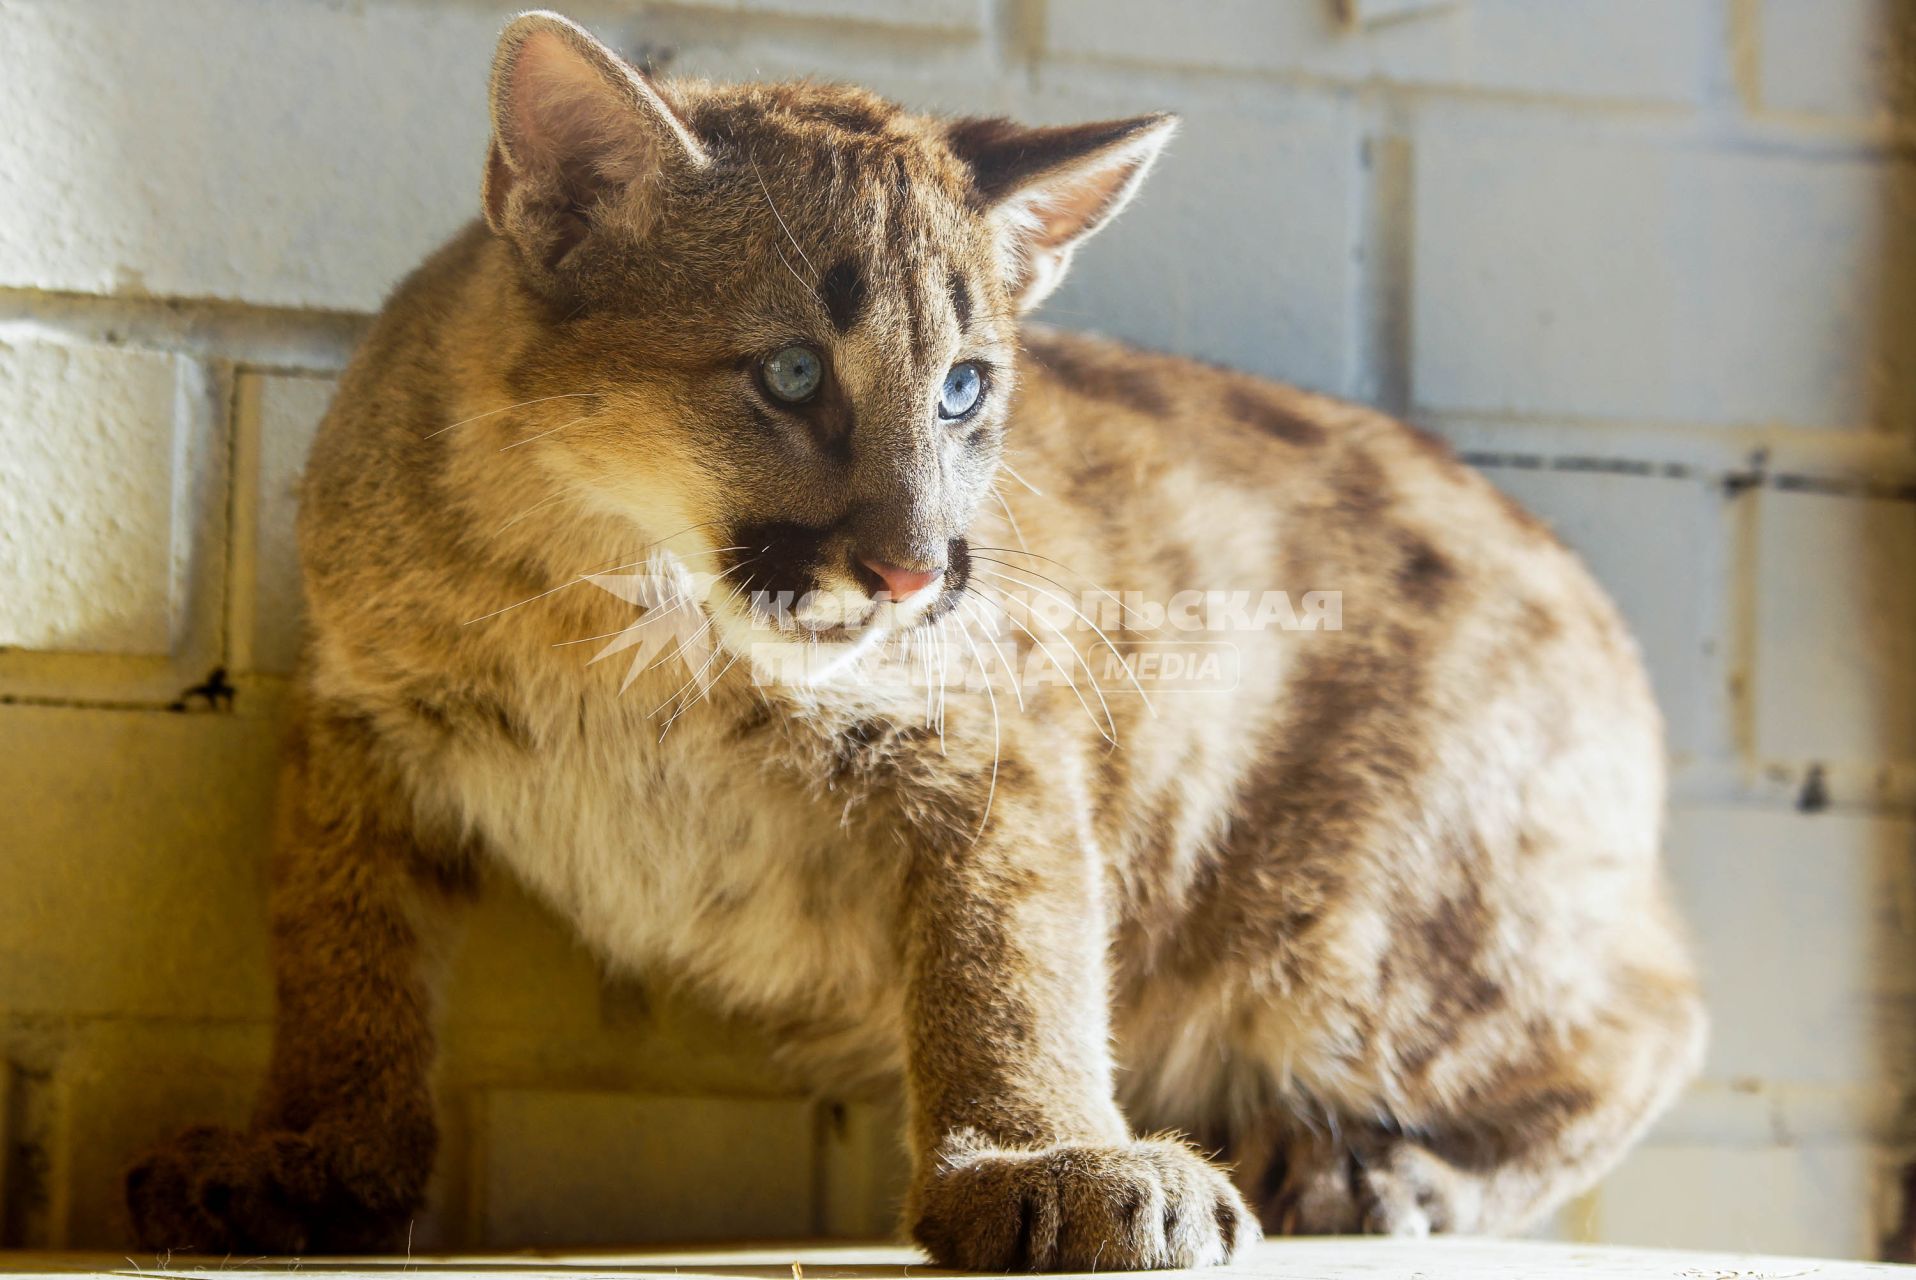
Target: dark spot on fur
(867, 748)
(1264, 414)
(1444, 948)
(1453, 930)
(1120, 379)
(1344, 741)
(856, 740)
(1536, 623)
(843, 293)
(756, 719)
(1181, 573)
(960, 299)
(1478, 995)
(1426, 575)
(1359, 486)
(1014, 776)
(1507, 1118)
(463, 714)
(1414, 1059)
(453, 872)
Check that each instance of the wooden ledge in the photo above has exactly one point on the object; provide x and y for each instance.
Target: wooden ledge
(1353, 1258)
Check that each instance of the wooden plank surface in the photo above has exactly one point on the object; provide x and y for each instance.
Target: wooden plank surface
(1327, 1259)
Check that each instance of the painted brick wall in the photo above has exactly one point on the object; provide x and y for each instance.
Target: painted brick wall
(1652, 263)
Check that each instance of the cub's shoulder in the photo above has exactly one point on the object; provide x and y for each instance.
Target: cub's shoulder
(1194, 395)
(1281, 438)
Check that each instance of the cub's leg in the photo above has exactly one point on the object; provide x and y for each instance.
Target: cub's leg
(343, 1135)
(1021, 1158)
(1499, 1154)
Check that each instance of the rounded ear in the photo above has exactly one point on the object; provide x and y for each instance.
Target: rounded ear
(1050, 188)
(572, 125)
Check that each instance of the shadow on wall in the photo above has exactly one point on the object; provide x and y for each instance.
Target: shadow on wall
(1888, 568)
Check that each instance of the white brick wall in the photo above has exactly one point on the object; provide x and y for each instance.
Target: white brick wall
(1652, 263)
(88, 535)
(1834, 58)
(1836, 590)
(1621, 50)
(300, 155)
(1755, 286)
(1280, 300)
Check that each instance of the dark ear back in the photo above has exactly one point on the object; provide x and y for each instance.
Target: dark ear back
(572, 126)
(1052, 187)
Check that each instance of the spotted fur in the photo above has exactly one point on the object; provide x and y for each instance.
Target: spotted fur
(1383, 923)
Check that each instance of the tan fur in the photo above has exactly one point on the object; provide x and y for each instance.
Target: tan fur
(1384, 922)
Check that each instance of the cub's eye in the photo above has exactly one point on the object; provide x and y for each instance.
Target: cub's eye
(964, 386)
(792, 373)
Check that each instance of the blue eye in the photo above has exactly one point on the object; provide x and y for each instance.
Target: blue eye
(793, 373)
(964, 386)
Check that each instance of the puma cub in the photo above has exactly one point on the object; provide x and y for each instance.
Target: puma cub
(978, 759)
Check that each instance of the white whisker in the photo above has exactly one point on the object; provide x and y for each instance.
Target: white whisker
(689, 681)
(664, 610)
(1010, 471)
(1102, 590)
(924, 652)
(684, 643)
(543, 434)
(788, 264)
(944, 664)
(704, 695)
(1009, 518)
(540, 505)
(1066, 602)
(1011, 675)
(783, 225)
(1062, 669)
(589, 574)
(584, 577)
(991, 792)
(630, 626)
(569, 395)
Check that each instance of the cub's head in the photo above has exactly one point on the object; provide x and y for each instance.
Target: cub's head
(788, 313)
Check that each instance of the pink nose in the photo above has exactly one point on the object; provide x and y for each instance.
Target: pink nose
(903, 583)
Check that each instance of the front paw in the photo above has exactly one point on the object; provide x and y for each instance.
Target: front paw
(216, 1191)
(1139, 1206)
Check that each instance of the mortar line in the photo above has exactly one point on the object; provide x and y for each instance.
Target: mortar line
(300, 340)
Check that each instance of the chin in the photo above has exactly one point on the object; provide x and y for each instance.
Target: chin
(795, 656)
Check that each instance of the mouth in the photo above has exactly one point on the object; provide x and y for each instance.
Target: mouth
(802, 583)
